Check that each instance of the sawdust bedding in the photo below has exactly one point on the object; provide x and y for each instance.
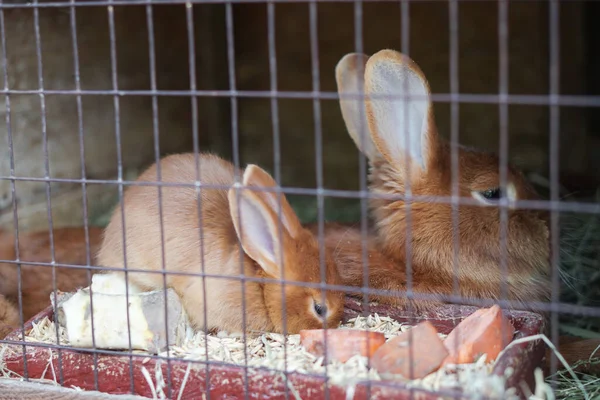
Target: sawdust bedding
(269, 350)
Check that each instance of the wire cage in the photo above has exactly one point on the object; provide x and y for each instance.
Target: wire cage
(138, 139)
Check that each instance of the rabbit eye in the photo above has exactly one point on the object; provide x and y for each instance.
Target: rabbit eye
(491, 194)
(320, 309)
(487, 197)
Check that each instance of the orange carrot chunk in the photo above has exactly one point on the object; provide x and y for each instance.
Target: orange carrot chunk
(413, 354)
(486, 331)
(342, 344)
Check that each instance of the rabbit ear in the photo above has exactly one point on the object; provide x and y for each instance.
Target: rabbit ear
(255, 226)
(258, 177)
(400, 127)
(350, 78)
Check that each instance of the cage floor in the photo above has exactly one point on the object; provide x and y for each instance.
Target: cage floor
(147, 376)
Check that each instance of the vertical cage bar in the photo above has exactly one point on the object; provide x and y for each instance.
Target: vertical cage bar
(13, 188)
(77, 78)
(503, 89)
(277, 174)
(156, 136)
(554, 23)
(504, 140)
(40, 76)
(362, 163)
(116, 105)
(454, 136)
(405, 46)
(408, 196)
(236, 161)
(316, 87)
(274, 97)
(363, 180)
(189, 13)
(453, 25)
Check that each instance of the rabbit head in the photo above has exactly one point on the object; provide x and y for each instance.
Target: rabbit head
(394, 127)
(272, 236)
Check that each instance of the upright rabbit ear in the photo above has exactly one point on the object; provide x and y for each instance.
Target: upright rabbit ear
(256, 228)
(257, 177)
(399, 126)
(350, 78)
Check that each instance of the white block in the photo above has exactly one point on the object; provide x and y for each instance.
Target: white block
(112, 283)
(146, 327)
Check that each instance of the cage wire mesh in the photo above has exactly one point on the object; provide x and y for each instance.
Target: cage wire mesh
(234, 245)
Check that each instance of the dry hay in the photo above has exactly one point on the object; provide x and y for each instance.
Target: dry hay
(270, 350)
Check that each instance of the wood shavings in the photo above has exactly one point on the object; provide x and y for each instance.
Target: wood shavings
(376, 323)
(45, 331)
(276, 352)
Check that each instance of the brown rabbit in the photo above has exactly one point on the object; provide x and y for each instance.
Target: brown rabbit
(9, 317)
(345, 244)
(36, 280)
(479, 255)
(402, 154)
(223, 226)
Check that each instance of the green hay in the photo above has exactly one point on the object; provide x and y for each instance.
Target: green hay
(580, 266)
(580, 285)
(567, 387)
(580, 269)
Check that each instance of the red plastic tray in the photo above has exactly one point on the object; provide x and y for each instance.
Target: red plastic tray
(229, 382)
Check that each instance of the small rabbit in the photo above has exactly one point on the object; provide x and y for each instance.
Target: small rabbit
(263, 254)
(9, 317)
(36, 280)
(404, 149)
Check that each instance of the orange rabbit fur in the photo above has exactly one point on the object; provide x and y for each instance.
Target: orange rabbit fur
(36, 280)
(478, 271)
(222, 227)
(9, 317)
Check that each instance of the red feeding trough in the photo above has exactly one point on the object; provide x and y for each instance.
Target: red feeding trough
(119, 374)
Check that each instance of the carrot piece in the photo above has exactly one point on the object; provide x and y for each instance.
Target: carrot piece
(486, 331)
(413, 354)
(342, 344)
